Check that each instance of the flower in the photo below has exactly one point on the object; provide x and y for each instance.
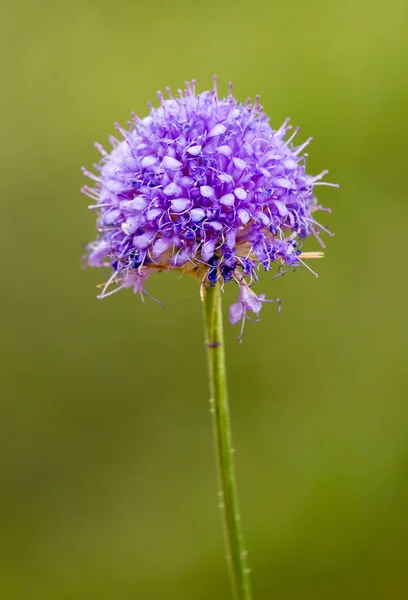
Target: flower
(205, 186)
(247, 301)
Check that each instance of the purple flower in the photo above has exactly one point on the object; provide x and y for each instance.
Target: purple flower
(205, 186)
(247, 301)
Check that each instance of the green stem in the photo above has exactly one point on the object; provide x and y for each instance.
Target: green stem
(236, 554)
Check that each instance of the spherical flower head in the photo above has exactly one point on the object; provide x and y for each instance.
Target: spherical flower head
(205, 186)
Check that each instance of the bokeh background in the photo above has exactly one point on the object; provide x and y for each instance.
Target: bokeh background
(108, 487)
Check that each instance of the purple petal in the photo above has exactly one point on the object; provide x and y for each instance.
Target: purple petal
(208, 249)
(217, 130)
(116, 187)
(254, 304)
(147, 161)
(179, 259)
(230, 238)
(272, 155)
(135, 281)
(290, 164)
(98, 254)
(137, 203)
(194, 150)
(111, 217)
(172, 189)
(154, 213)
(161, 245)
(215, 225)
(131, 224)
(171, 163)
(179, 205)
(282, 210)
(207, 191)
(240, 193)
(265, 220)
(243, 215)
(225, 177)
(141, 242)
(283, 182)
(227, 200)
(260, 251)
(249, 299)
(225, 150)
(197, 214)
(236, 313)
(239, 163)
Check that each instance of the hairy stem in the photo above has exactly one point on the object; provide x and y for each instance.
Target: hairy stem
(236, 554)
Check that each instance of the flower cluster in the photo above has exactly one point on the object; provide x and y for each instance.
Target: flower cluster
(205, 186)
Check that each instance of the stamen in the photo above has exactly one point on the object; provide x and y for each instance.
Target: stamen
(91, 192)
(103, 295)
(242, 329)
(283, 128)
(255, 105)
(300, 148)
(230, 90)
(321, 208)
(330, 233)
(136, 119)
(121, 131)
(113, 141)
(215, 91)
(90, 175)
(307, 267)
(101, 149)
(107, 284)
(295, 132)
(333, 185)
(319, 176)
(160, 97)
(93, 206)
(319, 239)
(144, 293)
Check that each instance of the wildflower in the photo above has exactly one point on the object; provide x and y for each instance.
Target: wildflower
(204, 186)
(247, 301)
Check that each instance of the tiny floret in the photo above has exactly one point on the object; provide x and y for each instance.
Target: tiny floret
(204, 186)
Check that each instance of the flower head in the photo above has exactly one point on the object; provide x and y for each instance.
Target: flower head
(206, 186)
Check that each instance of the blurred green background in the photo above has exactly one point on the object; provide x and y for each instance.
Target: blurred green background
(108, 487)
